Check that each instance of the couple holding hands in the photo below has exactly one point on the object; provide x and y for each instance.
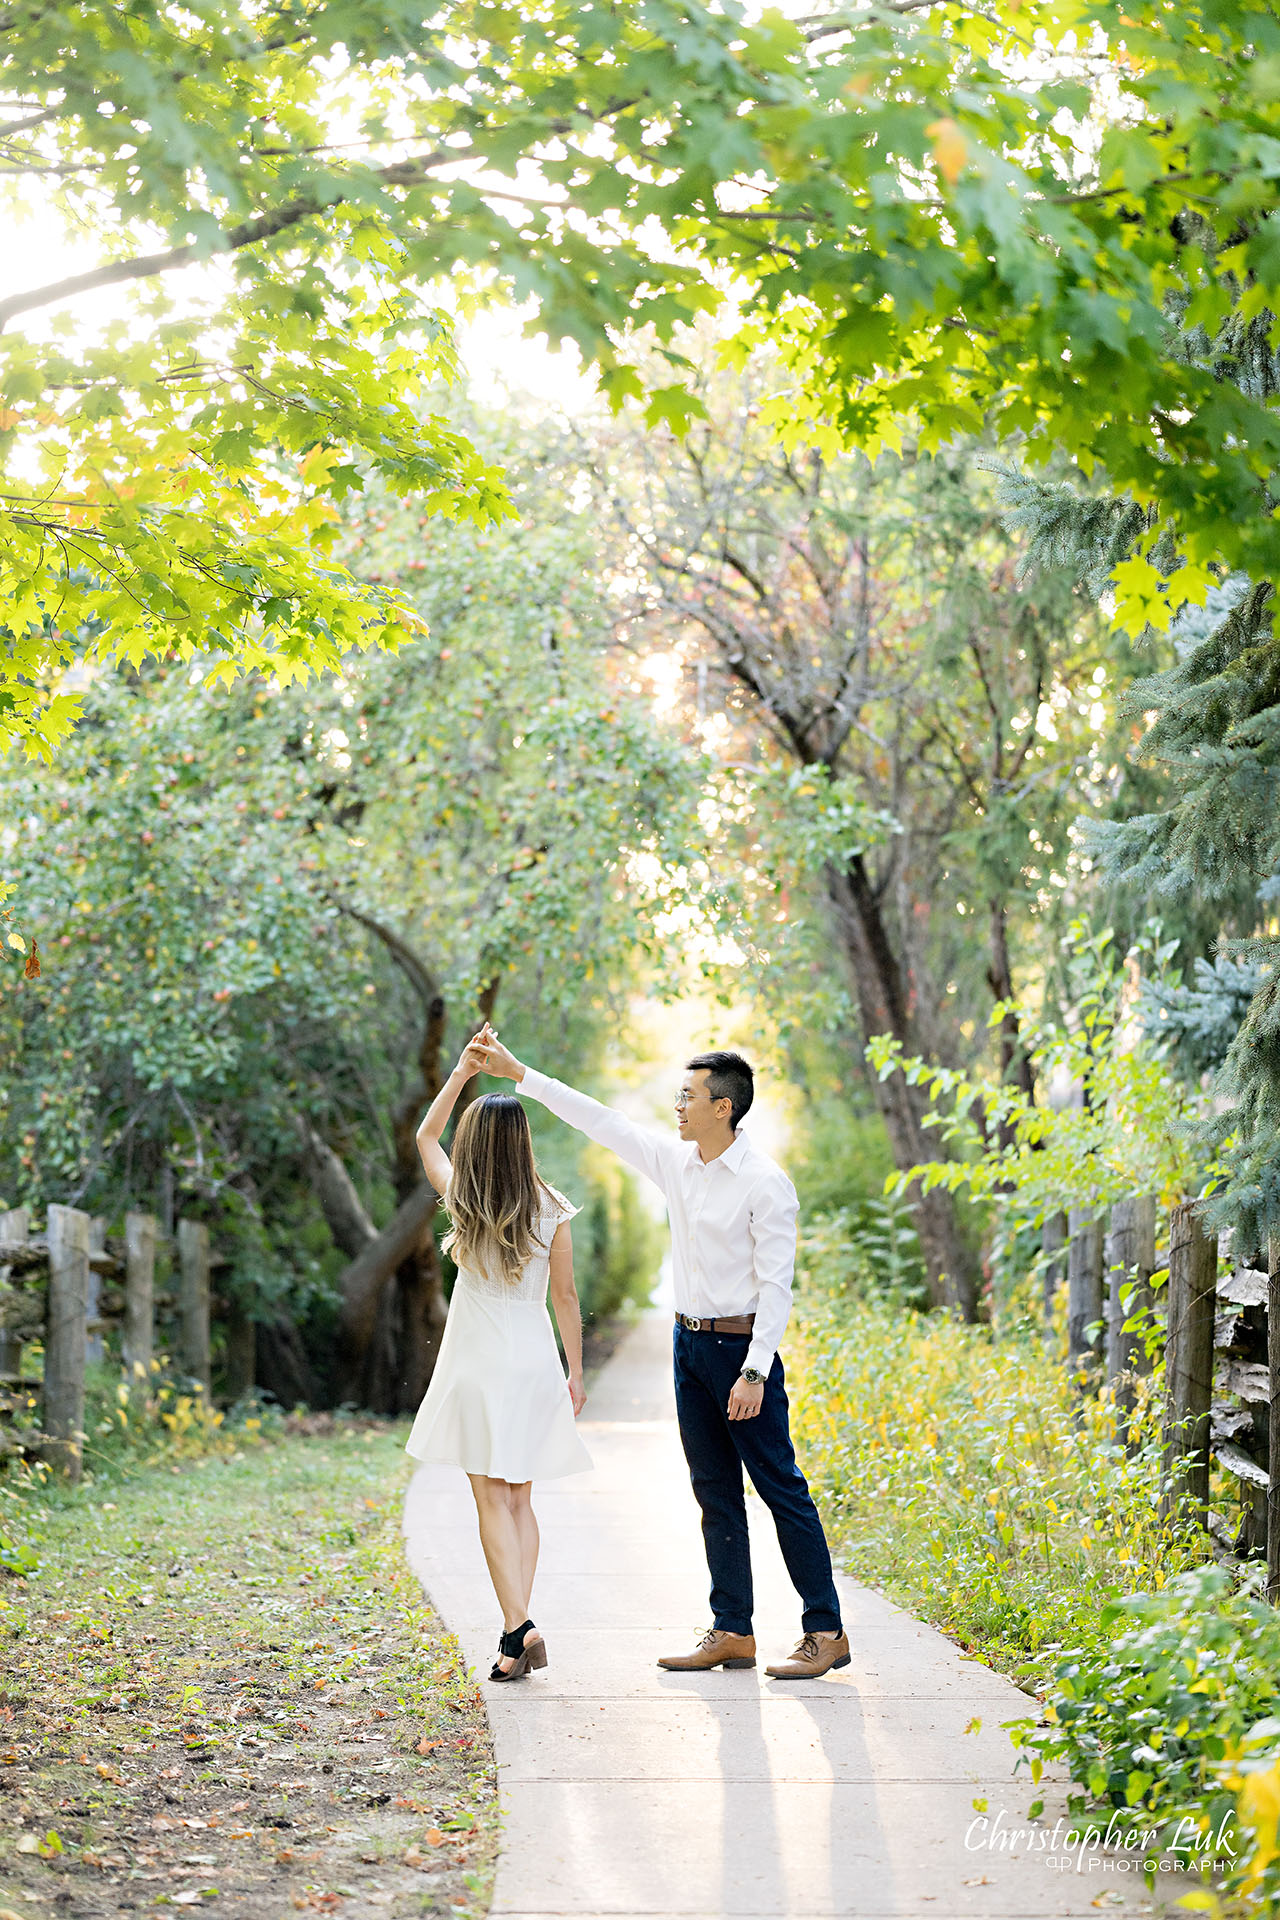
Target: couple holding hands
(497, 1405)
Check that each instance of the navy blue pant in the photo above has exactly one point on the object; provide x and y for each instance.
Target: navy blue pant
(717, 1449)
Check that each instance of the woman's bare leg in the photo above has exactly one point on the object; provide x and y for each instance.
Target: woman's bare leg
(503, 1550)
(527, 1528)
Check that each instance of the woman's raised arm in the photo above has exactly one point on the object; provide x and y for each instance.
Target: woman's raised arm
(436, 1119)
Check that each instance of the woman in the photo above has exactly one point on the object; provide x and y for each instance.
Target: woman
(497, 1405)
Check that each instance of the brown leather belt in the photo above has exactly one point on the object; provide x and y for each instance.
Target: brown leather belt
(741, 1323)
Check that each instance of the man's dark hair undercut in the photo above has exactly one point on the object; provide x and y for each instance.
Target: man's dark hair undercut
(728, 1078)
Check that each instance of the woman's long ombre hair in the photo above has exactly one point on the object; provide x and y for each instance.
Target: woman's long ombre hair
(495, 1191)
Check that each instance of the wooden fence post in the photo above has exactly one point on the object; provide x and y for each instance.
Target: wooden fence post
(93, 1348)
(1084, 1287)
(1053, 1241)
(65, 1324)
(241, 1349)
(138, 1338)
(13, 1233)
(1129, 1256)
(1193, 1277)
(193, 1261)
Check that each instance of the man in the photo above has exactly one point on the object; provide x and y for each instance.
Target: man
(733, 1241)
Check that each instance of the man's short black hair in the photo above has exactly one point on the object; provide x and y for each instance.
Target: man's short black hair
(728, 1078)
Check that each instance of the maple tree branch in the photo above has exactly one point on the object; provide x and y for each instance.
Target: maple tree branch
(263, 226)
(32, 120)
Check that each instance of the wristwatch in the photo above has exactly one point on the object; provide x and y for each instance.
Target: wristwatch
(752, 1376)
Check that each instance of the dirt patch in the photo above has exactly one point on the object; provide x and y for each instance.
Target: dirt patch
(224, 1689)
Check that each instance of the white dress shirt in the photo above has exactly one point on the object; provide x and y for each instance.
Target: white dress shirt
(733, 1219)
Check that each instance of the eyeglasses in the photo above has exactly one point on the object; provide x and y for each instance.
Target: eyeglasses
(682, 1099)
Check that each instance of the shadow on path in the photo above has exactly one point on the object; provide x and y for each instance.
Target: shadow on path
(629, 1791)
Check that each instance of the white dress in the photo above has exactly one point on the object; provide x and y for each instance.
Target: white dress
(498, 1402)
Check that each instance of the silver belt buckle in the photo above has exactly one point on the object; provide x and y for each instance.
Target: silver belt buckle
(693, 1323)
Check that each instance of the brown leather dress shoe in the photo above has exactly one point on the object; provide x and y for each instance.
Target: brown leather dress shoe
(715, 1649)
(816, 1655)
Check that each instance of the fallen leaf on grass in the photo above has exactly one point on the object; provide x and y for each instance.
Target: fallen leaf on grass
(424, 1745)
(433, 1837)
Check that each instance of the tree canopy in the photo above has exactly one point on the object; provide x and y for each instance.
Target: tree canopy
(969, 218)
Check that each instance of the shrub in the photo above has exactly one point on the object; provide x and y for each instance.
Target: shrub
(963, 1474)
(619, 1254)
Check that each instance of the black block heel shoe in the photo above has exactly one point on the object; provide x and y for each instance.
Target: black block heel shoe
(512, 1646)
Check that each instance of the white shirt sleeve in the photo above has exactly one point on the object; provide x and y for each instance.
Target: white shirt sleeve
(641, 1147)
(773, 1240)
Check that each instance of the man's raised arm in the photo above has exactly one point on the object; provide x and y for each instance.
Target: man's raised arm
(641, 1147)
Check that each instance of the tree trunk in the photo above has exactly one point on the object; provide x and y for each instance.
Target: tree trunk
(362, 1283)
(950, 1264)
(282, 1365)
(343, 1209)
(1015, 1065)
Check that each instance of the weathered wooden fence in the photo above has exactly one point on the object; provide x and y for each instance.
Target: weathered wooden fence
(51, 1290)
(1221, 1323)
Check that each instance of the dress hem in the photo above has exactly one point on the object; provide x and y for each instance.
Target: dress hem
(490, 1473)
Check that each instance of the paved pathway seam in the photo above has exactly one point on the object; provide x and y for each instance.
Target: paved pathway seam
(630, 1793)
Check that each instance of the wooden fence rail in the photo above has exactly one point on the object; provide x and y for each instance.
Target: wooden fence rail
(1221, 1327)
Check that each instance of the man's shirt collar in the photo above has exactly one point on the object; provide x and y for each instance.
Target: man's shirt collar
(732, 1157)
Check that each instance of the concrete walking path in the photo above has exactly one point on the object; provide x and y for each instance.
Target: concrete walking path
(628, 1791)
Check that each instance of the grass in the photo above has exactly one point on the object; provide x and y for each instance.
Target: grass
(222, 1688)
